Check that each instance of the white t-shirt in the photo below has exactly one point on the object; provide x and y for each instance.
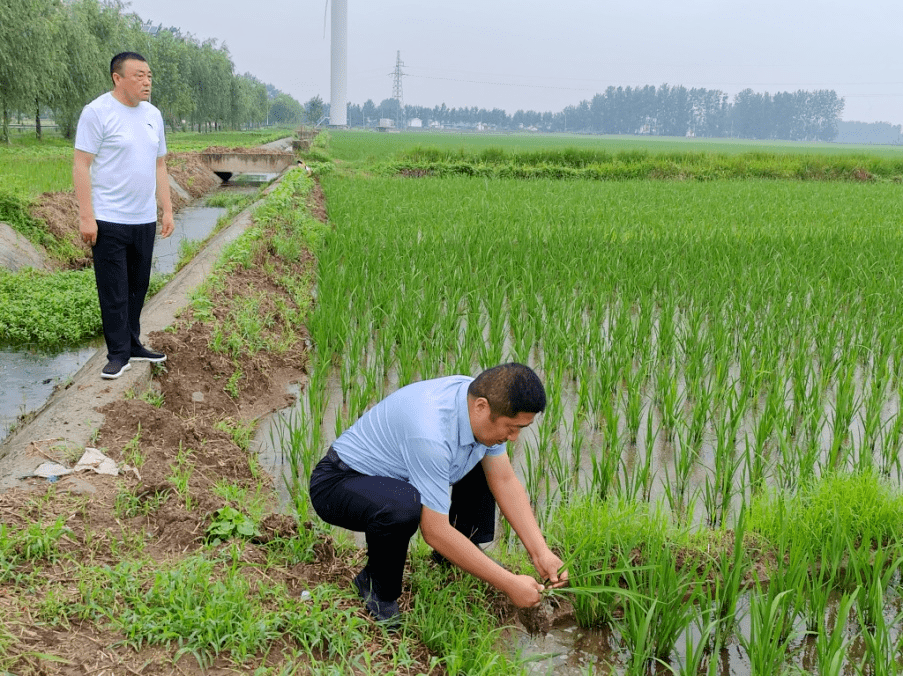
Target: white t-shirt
(126, 142)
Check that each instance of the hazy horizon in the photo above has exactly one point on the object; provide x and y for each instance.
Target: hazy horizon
(518, 55)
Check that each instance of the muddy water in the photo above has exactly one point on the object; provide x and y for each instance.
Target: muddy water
(193, 223)
(30, 377)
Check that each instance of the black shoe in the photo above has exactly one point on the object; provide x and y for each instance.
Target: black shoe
(386, 613)
(439, 560)
(143, 354)
(114, 369)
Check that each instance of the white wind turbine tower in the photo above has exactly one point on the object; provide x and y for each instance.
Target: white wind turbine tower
(338, 92)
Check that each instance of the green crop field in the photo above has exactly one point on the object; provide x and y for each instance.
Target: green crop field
(718, 327)
(356, 145)
(723, 363)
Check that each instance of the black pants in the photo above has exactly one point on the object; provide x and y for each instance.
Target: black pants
(122, 265)
(388, 510)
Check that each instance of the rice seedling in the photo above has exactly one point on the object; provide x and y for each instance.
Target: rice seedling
(771, 619)
(730, 568)
(873, 572)
(831, 646)
(663, 608)
(882, 655)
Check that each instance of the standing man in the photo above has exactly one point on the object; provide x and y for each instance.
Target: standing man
(391, 471)
(119, 173)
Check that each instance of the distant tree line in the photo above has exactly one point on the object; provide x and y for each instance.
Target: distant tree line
(870, 132)
(657, 111)
(55, 56)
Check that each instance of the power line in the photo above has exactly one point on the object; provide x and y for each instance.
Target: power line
(396, 87)
(722, 84)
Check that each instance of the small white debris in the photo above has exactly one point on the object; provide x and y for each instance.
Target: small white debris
(92, 459)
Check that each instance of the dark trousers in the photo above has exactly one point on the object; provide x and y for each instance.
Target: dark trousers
(122, 265)
(388, 510)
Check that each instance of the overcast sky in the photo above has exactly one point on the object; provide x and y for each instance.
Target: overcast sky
(523, 54)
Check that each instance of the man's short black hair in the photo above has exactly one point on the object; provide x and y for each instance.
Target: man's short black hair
(510, 389)
(117, 61)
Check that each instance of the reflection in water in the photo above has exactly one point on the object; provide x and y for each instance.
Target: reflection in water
(30, 377)
(192, 224)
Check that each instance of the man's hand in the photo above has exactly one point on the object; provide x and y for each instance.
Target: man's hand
(512, 500)
(548, 565)
(81, 182)
(166, 225)
(524, 591)
(87, 228)
(164, 198)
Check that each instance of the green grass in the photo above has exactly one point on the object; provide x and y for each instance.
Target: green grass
(15, 210)
(184, 141)
(48, 310)
(30, 167)
(358, 146)
(842, 508)
(602, 164)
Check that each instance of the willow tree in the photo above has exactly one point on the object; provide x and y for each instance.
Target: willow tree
(170, 57)
(247, 95)
(84, 73)
(25, 56)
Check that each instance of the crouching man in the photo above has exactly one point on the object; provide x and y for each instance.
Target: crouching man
(390, 473)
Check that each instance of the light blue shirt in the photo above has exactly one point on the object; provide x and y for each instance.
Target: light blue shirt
(420, 434)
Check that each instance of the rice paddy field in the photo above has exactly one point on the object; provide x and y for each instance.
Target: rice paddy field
(719, 463)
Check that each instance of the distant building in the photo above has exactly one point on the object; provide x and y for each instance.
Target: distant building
(415, 122)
